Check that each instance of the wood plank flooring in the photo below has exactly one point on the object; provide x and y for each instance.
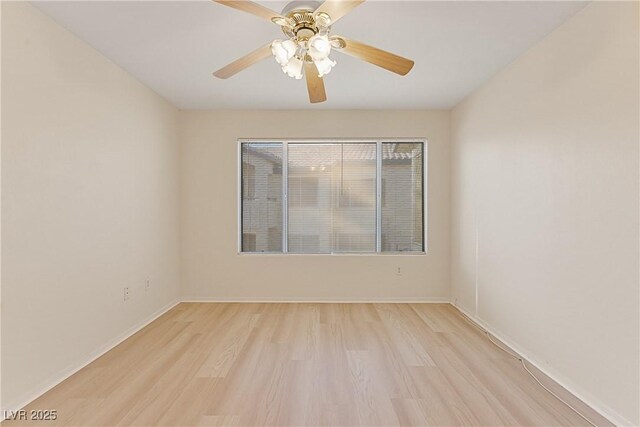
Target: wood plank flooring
(307, 365)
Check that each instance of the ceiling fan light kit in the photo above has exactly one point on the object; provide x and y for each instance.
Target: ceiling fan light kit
(306, 50)
(293, 68)
(283, 51)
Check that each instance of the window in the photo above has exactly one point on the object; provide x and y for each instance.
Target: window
(332, 197)
(275, 239)
(249, 242)
(355, 242)
(261, 197)
(402, 195)
(274, 182)
(358, 193)
(304, 243)
(303, 191)
(248, 181)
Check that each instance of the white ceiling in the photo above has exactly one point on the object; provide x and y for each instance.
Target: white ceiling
(174, 46)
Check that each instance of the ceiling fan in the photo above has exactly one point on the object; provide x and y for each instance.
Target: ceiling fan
(308, 43)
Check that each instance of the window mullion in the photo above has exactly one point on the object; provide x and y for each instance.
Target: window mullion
(285, 197)
(378, 196)
(240, 198)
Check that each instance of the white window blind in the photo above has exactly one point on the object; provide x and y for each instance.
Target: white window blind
(332, 197)
(261, 177)
(402, 194)
(327, 179)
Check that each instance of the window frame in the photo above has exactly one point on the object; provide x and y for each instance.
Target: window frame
(285, 179)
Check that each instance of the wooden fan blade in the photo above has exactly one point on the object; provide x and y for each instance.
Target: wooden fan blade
(315, 85)
(252, 8)
(244, 62)
(375, 56)
(336, 9)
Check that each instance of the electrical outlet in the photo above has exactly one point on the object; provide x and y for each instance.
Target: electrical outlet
(399, 272)
(147, 285)
(126, 293)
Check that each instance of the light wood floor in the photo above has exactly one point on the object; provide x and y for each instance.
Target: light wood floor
(307, 364)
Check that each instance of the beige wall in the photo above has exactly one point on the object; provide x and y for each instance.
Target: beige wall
(1, 406)
(89, 202)
(211, 267)
(545, 205)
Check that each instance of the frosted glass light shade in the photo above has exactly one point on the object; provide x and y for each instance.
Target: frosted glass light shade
(293, 68)
(324, 66)
(319, 47)
(283, 51)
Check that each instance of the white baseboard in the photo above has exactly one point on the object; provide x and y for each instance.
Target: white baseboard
(50, 383)
(319, 300)
(585, 397)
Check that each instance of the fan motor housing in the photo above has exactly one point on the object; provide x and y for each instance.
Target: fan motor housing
(300, 13)
(300, 5)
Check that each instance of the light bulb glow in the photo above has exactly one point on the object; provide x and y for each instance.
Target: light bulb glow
(319, 47)
(283, 51)
(293, 68)
(324, 66)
